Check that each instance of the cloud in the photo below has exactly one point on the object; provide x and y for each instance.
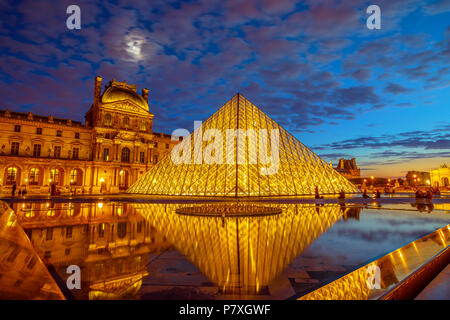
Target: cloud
(396, 88)
(437, 7)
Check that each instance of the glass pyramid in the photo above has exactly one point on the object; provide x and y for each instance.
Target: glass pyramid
(242, 166)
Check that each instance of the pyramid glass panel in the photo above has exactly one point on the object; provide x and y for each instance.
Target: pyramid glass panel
(241, 152)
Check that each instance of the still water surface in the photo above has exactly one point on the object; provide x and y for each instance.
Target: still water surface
(157, 251)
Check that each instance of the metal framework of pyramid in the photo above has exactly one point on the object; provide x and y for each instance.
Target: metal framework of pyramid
(299, 169)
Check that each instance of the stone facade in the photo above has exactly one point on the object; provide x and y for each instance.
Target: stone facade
(440, 177)
(106, 154)
(348, 168)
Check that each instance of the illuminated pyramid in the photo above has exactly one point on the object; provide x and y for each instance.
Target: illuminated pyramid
(242, 255)
(264, 160)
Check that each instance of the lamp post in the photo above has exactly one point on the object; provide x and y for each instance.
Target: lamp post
(372, 177)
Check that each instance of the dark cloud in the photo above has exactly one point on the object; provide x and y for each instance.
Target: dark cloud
(436, 139)
(395, 88)
(296, 59)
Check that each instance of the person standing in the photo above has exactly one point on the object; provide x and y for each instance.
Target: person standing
(13, 190)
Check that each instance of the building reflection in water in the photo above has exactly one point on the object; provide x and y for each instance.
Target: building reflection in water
(242, 255)
(22, 273)
(112, 242)
(109, 242)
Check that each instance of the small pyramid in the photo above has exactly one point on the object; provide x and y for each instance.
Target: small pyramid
(244, 153)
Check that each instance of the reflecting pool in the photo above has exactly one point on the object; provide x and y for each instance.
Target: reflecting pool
(217, 250)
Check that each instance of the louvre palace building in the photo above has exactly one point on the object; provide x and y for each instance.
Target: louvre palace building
(106, 154)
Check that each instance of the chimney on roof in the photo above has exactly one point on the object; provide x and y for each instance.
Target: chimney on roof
(145, 94)
(97, 90)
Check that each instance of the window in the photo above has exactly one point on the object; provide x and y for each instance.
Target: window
(156, 144)
(121, 230)
(77, 135)
(59, 133)
(67, 251)
(142, 157)
(107, 121)
(54, 176)
(11, 175)
(155, 159)
(38, 130)
(75, 153)
(57, 152)
(32, 263)
(49, 234)
(125, 155)
(101, 230)
(37, 150)
(167, 146)
(106, 154)
(69, 232)
(126, 122)
(123, 179)
(34, 176)
(107, 136)
(15, 149)
(74, 177)
(139, 227)
(17, 128)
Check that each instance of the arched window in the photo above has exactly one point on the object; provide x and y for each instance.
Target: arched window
(126, 122)
(54, 176)
(125, 155)
(445, 182)
(123, 179)
(11, 175)
(34, 176)
(76, 177)
(107, 121)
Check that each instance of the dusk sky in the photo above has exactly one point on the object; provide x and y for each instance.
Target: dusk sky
(380, 96)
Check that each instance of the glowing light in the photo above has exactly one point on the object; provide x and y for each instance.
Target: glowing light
(290, 177)
(102, 180)
(100, 205)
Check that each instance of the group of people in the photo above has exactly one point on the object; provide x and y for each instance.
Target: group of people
(22, 192)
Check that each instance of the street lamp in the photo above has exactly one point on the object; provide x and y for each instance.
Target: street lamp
(372, 177)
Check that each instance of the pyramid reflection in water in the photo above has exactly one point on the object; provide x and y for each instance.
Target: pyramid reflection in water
(294, 170)
(242, 255)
